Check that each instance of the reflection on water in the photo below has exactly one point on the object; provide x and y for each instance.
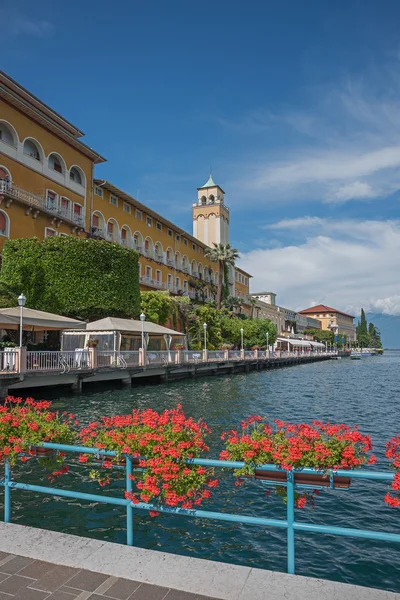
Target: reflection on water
(364, 392)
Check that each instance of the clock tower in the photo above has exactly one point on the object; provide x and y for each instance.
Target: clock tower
(210, 215)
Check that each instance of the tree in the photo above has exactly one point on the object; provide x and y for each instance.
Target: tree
(253, 303)
(374, 336)
(196, 320)
(254, 331)
(321, 335)
(226, 257)
(362, 331)
(157, 306)
(79, 278)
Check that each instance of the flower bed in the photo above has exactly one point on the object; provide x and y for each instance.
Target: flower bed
(26, 425)
(323, 446)
(167, 440)
(393, 454)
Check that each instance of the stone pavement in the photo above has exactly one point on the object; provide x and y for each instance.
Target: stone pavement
(27, 579)
(36, 564)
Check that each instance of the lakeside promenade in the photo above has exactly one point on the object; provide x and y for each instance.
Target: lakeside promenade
(37, 564)
(21, 370)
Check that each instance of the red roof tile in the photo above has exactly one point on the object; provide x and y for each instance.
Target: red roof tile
(322, 308)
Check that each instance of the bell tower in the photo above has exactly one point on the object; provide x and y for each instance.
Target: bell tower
(210, 215)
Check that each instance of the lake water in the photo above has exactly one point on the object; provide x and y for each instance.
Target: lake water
(362, 392)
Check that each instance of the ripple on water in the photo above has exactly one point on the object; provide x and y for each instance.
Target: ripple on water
(364, 392)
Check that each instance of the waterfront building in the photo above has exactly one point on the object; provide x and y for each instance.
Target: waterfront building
(46, 170)
(48, 188)
(334, 320)
(287, 321)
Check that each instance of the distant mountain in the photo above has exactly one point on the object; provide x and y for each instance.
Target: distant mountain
(389, 327)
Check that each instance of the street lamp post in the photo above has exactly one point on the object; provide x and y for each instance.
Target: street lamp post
(205, 335)
(142, 319)
(268, 342)
(241, 337)
(21, 302)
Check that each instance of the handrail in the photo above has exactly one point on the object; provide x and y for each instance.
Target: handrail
(290, 524)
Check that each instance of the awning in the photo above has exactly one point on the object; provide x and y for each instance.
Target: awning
(130, 326)
(317, 345)
(294, 342)
(37, 320)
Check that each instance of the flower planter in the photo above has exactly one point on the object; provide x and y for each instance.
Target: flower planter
(43, 452)
(311, 479)
(119, 463)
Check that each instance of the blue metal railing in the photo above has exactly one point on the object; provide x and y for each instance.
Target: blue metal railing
(289, 523)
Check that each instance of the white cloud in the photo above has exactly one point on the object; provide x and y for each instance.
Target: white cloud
(350, 264)
(344, 148)
(19, 24)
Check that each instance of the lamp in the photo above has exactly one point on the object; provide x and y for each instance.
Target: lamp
(205, 335)
(21, 303)
(267, 334)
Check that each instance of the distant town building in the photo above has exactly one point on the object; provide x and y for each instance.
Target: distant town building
(332, 319)
(287, 321)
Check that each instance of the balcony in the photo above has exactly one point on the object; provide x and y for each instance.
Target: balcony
(97, 232)
(36, 203)
(159, 285)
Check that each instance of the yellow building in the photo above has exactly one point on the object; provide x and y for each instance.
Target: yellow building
(333, 320)
(46, 172)
(169, 257)
(48, 188)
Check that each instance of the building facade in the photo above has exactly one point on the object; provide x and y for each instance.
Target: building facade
(287, 321)
(334, 320)
(46, 171)
(48, 188)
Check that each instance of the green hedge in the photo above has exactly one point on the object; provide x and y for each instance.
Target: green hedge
(86, 279)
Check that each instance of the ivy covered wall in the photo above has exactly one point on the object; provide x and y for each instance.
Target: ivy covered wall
(84, 279)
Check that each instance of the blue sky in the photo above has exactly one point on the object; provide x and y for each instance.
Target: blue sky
(295, 105)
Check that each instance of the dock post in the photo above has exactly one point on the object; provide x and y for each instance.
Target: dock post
(77, 386)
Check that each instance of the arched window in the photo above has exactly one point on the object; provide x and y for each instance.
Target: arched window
(148, 272)
(56, 163)
(159, 276)
(170, 256)
(49, 232)
(178, 260)
(5, 173)
(159, 253)
(185, 264)
(149, 247)
(126, 236)
(194, 268)
(211, 199)
(112, 230)
(76, 175)
(98, 223)
(4, 224)
(31, 148)
(203, 200)
(138, 241)
(8, 135)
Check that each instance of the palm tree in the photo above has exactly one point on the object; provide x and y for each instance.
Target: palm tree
(225, 256)
(253, 304)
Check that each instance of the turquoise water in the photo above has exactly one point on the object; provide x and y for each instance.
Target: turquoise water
(365, 392)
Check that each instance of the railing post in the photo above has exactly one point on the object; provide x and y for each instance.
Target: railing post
(92, 358)
(7, 492)
(21, 359)
(142, 357)
(290, 521)
(242, 355)
(226, 354)
(205, 355)
(179, 357)
(256, 354)
(129, 509)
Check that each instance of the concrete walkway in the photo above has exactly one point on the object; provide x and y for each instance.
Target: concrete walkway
(38, 565)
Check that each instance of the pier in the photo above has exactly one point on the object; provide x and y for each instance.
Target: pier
(20, 369)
